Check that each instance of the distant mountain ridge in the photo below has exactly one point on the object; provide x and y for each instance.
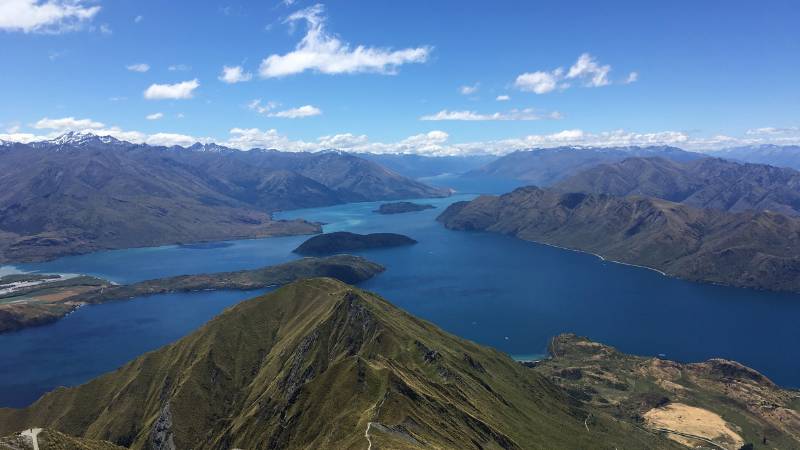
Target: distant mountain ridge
(749, 249)
(546, 166)
(774, 155)
(81, 192)
(705, 183)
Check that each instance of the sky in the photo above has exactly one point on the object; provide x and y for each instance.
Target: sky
(427, 77)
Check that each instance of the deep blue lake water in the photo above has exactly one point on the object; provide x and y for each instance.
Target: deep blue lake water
(496, 290)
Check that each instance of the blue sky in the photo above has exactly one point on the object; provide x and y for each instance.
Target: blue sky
(376, 76)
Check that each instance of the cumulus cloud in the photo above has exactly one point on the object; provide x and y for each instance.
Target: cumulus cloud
(45, 16)
(323, 52)
(141, 67)
(170, 139)
(154, 116)
(268, 109)
(514, 114)
(234, 74)
(175, 91)
(540, 82)
(67, 123)
(586, 71)
(503, 98)
(344, 141)
(469, 90)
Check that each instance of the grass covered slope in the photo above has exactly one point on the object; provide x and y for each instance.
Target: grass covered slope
(733, 404)
(321, 364)
(747, 249)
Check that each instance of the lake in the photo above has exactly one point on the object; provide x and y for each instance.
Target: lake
(493, 289)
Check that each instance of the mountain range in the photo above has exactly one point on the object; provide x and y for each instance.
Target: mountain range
(746, 249)
(81, 193)
(420, 166)
(705, 183)
(321, 364)
(546, 166)
(774, 155)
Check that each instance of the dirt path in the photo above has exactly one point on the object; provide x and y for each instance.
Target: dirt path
(366, 435)
(32, 433)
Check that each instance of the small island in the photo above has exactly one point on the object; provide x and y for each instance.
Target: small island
(402, 207)
(36, 299)
(342, 241)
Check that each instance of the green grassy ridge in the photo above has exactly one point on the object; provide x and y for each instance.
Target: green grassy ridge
(310, 366)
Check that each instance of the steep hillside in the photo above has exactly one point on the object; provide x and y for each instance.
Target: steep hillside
(705, 183)
(546, 166)
(758, 250)
(320, 364)
(82, 193)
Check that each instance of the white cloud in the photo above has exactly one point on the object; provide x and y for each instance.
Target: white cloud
(344, 141)
(297, 113)
(262, 108)
(323, 52)
(234, 74)
(176, 91)
(469, 90)
(138, 19)
(586, 70)
(141, 67)
(772, 131)
(539, 82)
(67, 123)
(154, 116)
(432, 143)
(106, 29)
(503, 98)
(268, 109)
(48, 16)
(178, 68)
(170, 139)
(514, 114)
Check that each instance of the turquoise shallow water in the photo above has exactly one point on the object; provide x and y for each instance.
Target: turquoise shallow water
(493, 289)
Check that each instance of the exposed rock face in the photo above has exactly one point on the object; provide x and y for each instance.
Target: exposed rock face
(342, 241)
(161, 437)
(320, 364)
(748, 249)
(704, 183)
